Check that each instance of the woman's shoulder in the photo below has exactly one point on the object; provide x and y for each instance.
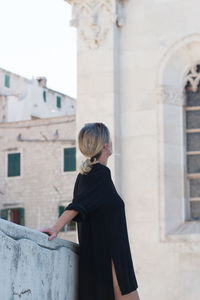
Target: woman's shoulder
(99, 168)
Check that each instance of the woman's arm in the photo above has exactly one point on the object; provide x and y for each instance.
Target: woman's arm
(92, 196)
(66, 217)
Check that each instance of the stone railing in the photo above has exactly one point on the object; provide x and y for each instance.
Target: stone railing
(31, 267)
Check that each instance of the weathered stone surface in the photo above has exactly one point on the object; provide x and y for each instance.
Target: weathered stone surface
(33, 267)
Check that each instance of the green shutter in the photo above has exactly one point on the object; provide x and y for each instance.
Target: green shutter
(4, 214)
(7, 81)
(58, 102)
(60, 211)
(69, 159)
(21, 216)
(13, 164)
(44, 96)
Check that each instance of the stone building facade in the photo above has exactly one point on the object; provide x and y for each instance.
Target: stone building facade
(138, 72)
(38, 171)
(27, 99)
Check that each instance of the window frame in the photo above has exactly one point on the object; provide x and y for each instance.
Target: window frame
(6, 165)
(190, 176)
(44, 96)
(20, 210)
(7, 81)
(63, 160)
(9, 162)
(170, 99)
(60, 99)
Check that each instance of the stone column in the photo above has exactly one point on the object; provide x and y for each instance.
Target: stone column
(98, 28)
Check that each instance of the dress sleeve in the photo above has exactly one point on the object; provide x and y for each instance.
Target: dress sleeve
(92, 196)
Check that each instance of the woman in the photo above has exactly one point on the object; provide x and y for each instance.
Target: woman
(106, 269)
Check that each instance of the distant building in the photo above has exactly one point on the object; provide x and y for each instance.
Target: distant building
(27, 99)
(37, 153)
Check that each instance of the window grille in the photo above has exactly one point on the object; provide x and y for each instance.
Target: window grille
(192, 130)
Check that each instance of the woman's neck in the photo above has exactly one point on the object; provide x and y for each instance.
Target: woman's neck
(102, 160)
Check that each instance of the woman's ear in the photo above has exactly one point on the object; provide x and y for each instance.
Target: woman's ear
(106, 146)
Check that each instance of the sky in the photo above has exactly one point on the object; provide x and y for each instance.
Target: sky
(37, 40)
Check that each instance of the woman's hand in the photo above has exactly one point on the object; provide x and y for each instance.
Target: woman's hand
(51, 231)
(65, 218)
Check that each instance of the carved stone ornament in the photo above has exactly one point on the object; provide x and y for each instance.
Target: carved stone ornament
(93, 18)
(192, 78)
(171, 95)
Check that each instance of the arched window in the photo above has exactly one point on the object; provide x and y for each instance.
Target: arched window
(192, 132)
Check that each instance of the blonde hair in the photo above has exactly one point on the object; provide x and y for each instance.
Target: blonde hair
(91, 139)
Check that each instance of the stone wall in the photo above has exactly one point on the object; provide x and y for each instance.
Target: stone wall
(33, 267)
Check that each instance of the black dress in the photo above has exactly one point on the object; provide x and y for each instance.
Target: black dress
(102, 234)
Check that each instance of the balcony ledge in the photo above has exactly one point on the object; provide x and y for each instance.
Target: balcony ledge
(35, 267)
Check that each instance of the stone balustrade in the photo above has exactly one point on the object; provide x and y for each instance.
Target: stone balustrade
(33, 267)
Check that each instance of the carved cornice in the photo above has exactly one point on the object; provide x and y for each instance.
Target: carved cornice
(94, 18)
(170, 95)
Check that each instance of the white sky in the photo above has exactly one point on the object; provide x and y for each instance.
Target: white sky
(37, 40)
